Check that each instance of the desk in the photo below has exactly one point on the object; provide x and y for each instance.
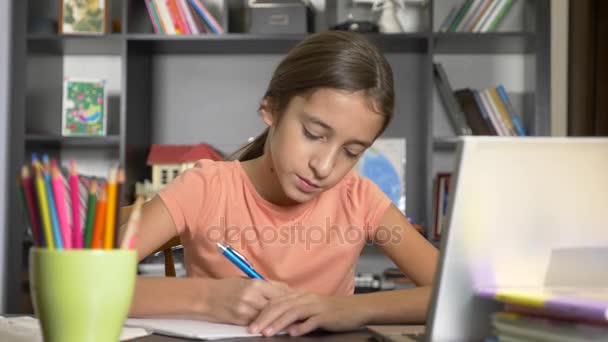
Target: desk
(362, 335)
(355, 336)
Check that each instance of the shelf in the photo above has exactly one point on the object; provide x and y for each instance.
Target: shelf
(234, 43)
(445, 143)
(54, 140)
(56, 44)
(237, 43)
(484, 43)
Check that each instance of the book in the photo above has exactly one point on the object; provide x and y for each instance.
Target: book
(448, 19)
(474, 116)
(519, 128)
(176, 16)
(153, 17)
(495, 116)
(193, 329)
(475, 6)
(442, 191)
(210, 20)
(525, 328)
(585, 303)
(183, 6)
(461, 13)
(165, 16)
(451, 105)
(484, 112)
(482, 10)
(83, 17)
(487, 14)
(552, 314)
(502, 111)
(84, 107)
(500, 13)
(198, 20)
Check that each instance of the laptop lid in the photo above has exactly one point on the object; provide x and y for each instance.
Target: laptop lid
(513, 202)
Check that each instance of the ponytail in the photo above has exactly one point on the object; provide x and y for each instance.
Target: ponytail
(251, 150)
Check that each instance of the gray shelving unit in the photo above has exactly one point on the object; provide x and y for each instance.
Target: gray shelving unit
(157, 105)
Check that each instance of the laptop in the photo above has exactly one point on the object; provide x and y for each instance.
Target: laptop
(516, 206)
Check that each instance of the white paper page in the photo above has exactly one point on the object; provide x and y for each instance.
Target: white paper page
(27, 329)
(190, 328)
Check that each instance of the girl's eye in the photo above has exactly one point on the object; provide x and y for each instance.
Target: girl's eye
(351, 154)
(310, 135)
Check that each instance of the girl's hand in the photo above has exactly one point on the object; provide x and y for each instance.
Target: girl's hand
(239, 300)
(299, 313)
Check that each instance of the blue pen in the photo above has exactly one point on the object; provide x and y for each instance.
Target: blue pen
(239, 261)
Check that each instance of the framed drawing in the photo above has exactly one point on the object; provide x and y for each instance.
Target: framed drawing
(83, 16)
(84, 107)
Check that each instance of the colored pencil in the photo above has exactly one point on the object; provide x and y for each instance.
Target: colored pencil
(77, 236)
(120, 180)
(128, 241)
(30, 205)
(61, 205)
(108, 240)
(57, 238)
(100, 217)
(43, 205)
(90, 214)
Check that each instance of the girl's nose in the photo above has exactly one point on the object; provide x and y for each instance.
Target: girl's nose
(322, 163)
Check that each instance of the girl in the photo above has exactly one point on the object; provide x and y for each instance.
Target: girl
(293, 206)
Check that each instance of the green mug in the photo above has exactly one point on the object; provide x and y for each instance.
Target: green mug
(82, 295)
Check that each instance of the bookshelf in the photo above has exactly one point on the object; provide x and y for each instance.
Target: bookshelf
(182, 89)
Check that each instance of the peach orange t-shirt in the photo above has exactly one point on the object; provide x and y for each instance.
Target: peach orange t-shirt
(312, 246)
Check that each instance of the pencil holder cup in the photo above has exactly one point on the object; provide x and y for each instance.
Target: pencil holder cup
(82, 295)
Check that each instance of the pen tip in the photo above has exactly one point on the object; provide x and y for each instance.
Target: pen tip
(220, 247)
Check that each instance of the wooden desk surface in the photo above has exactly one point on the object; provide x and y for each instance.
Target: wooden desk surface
(363, 335)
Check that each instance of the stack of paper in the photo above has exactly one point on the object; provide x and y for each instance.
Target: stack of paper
(193, 329)
(27, 329)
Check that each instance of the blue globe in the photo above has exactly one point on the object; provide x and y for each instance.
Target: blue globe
(381, 171)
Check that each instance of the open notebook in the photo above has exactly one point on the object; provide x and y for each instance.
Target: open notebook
(193, 329)
(27, 329)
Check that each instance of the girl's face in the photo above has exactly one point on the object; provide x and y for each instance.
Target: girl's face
(318, 140)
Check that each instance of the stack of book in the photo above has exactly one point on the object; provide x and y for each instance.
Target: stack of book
(178, 17)
(476, 16)
(478, 112)
(569, 315)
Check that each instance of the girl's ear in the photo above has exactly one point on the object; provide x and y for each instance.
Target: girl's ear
(266, 111)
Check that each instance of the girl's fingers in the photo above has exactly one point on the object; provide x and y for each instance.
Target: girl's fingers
(244, 314)
(271, 290)
(274, 309)
(305, 327)
(292, 315)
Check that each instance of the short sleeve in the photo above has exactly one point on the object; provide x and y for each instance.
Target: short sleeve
(190, 195)
(370, 200)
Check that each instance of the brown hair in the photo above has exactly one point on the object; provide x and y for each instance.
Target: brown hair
(331, 59)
